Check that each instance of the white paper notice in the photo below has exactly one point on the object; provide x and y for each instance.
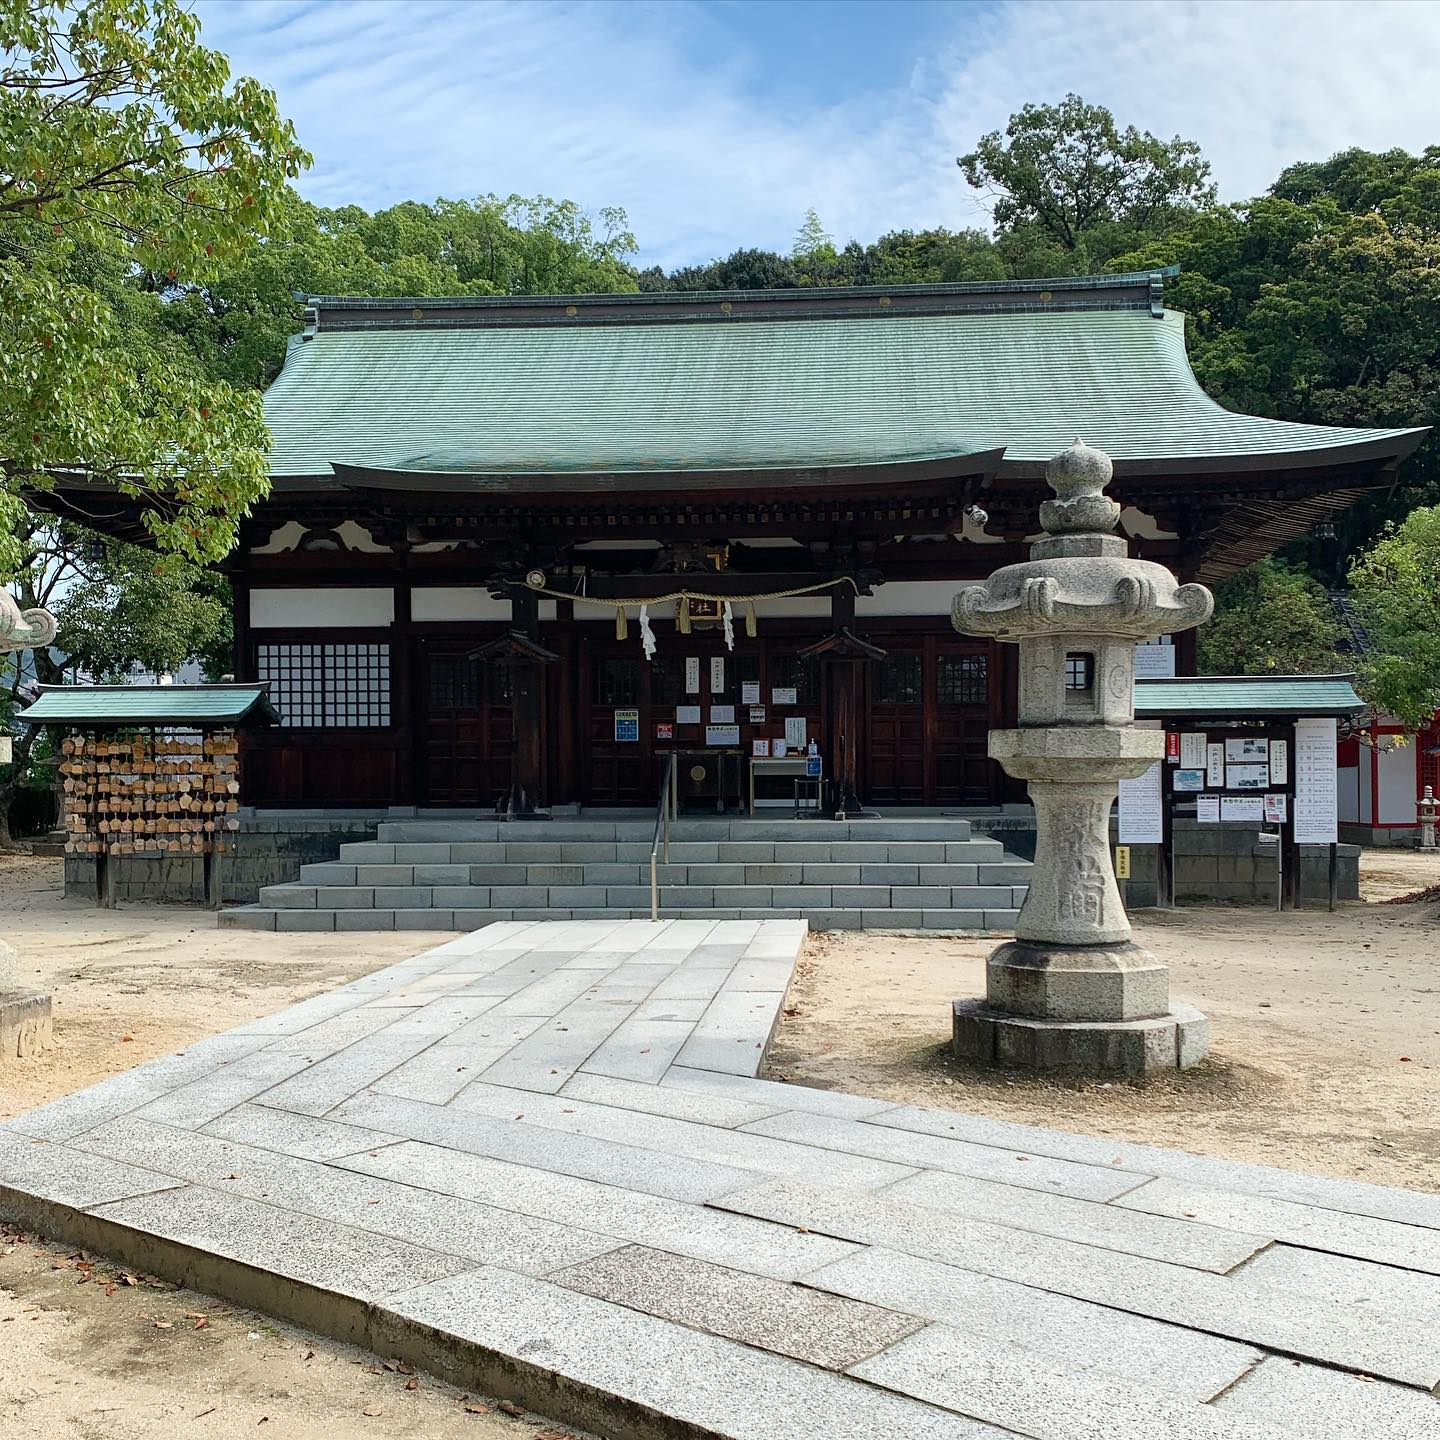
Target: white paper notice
(1315, 816)
(1154, 660)
(1215, 764)
(1279, 761)
(1248, 751)
(717, 674)
(795, 732)
(1275, 809)
(692, 675)
(1207, 809)
(1247, 808)
(1192, 750)
(687, 714)
(722, 734)
(1247, 777)
(722, 714)
(783, 695)
(1140, 816)
(749, 692)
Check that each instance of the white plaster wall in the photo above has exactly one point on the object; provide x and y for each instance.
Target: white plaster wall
(910, 597)
(1367, 798)
(456, 602)
(1397, 786)
(333, 606)
(797, 605)
(1347, 792)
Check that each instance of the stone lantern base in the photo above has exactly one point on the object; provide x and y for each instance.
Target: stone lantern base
(1173, 1041)
(27, 1027)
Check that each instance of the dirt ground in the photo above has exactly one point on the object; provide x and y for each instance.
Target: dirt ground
(1325, 1032)
(144, 980)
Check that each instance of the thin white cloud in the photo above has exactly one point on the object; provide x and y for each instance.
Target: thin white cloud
(627, 105)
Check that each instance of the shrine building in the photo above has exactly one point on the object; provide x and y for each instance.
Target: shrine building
(474, 498)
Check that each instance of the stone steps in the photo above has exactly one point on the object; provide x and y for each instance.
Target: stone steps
(261, 917)
(690, 852)
(925, 874)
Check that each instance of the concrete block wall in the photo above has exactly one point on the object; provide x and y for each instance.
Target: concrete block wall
(266, 850)
(1212, 862)
(1229, 864)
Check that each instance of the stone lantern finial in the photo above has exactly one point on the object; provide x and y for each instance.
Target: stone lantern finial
(1078, 476)
(1072, 990)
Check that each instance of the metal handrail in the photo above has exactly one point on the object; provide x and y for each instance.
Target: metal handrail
(666, 808)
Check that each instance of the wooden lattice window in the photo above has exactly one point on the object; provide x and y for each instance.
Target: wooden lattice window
(460, 684)
(899, 680)
(962, 680)
(325, 686)
(802, 674)
(615, 680)
(667, 681)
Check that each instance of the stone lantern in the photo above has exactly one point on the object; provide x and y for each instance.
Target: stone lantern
(26, 1027)
(1072, 990)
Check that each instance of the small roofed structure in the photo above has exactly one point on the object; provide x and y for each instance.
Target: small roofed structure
(1231, 698)
(1246, 804)
(151, 782)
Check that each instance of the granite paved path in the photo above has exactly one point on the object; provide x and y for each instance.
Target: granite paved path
(537, 1160)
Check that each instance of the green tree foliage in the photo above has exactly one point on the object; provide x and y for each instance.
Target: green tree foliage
(238, 322)
(124, 143)
(1270, 619)
(812, 240)
(1069, 174)
(119, 606)
(129, 610)
(1396, 586)
(1321, 302)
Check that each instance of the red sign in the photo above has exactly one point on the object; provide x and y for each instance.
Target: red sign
(664, 731)
(1172, 746)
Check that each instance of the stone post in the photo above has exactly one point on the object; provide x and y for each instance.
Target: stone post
(26, 1026)
(1073, 991)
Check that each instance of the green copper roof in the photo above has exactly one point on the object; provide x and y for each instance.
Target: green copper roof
(1239, 696)
(177, 705)
(812, 390)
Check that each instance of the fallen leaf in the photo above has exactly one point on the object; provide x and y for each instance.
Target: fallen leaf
(164, 1325)
(412, 1384)
(510, 1408)
(202, 1323)
(473, 1407)
(373, 1410)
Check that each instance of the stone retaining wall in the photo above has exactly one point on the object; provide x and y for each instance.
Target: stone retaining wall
(266, 850)
(1212, 862)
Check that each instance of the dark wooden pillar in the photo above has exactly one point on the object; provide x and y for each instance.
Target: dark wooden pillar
(843, 654)
(526, 683)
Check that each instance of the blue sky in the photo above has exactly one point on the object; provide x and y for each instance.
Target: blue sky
(717, 123)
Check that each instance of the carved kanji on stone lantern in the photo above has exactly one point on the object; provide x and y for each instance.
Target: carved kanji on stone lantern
(1072, 990)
